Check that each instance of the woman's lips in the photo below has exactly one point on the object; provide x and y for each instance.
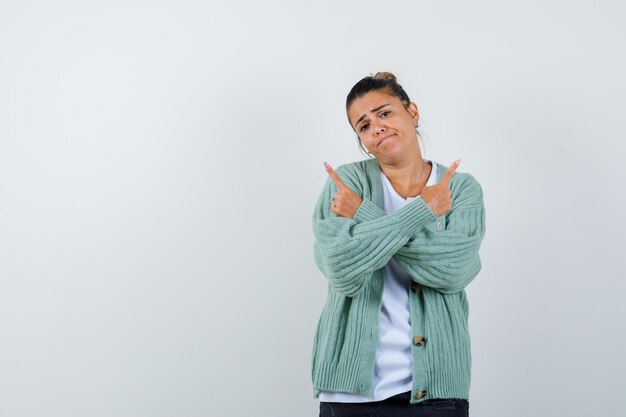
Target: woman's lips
(383, 140)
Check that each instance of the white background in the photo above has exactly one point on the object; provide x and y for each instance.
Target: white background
(159, 164)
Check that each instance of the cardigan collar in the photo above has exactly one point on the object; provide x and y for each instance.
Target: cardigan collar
(373, 171)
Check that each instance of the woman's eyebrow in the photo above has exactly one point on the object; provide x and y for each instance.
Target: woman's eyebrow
(371, 111)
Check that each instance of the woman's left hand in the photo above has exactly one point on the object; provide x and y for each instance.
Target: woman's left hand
(345, 202)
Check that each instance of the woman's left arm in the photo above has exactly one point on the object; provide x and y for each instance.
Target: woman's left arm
(448, 260)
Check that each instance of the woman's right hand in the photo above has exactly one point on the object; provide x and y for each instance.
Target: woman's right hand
(438, 197)
(345, 202)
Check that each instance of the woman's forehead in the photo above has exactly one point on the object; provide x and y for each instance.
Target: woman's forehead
(370, 102)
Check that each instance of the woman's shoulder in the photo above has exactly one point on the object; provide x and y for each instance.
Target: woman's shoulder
(359, 167)
(463, 179)
(463, 185)
(355, 174)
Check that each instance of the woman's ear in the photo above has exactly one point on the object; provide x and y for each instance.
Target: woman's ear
(414, 112)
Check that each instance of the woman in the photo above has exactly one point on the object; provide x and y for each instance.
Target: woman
(397, 237)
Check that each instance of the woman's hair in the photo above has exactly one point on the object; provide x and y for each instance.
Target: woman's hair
(379, 81)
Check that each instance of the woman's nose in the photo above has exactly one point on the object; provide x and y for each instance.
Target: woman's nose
(378, 128)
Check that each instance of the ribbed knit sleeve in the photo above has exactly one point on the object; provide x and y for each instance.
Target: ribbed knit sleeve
(347, 251)
(448, 260)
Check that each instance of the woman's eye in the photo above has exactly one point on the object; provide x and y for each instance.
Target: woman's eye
(385, 113)
(364, 127)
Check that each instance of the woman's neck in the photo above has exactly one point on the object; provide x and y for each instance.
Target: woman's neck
(409, 177)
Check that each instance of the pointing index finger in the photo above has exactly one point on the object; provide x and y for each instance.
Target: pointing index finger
(450, 172)
(333, 176)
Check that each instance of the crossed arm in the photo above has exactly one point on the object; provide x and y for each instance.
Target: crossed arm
(349, 250)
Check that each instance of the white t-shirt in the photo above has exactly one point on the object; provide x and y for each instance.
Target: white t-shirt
(394, 363)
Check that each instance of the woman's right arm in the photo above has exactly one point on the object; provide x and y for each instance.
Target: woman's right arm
(348, 250)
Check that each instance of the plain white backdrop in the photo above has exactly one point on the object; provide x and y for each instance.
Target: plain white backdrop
(159, 164)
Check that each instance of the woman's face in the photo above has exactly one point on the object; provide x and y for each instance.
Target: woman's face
(386, 128)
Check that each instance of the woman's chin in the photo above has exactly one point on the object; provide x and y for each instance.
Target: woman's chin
(391, 152)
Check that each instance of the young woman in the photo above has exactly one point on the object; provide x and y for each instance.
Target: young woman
(397, 237)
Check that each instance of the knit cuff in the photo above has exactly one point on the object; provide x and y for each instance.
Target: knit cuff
(415, 216)
(368, 211)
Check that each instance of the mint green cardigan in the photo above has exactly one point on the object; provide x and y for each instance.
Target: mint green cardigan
(440, 254)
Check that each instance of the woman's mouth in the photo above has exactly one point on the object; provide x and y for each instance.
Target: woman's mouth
(383, 140)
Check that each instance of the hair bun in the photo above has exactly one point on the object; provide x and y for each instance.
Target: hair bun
(386, 75)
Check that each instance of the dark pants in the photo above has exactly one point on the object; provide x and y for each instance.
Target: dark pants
(397, 406)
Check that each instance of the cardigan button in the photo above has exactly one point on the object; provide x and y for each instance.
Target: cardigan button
(416, 288)
(421, 394)
(419, 340)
